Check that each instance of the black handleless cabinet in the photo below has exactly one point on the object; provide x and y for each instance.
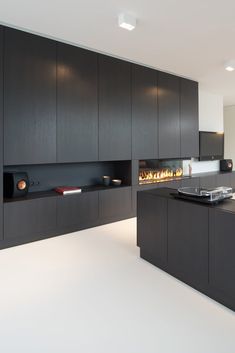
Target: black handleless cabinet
(29, 99)
(29, 220)
(169, 115)
(1, 132)
(115, 204)
(77, 211)
(188, 242)
(189, 118)
(144, 113)
(77, 104)
(114, 109)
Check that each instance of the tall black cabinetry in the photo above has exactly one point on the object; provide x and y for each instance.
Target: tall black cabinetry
(1, 132)
(169, 115)
(77, 105)
(189, 118)
(114, 109)
(29, 99)
(144, 113)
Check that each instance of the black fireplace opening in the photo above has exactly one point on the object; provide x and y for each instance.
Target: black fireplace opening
(156, 171)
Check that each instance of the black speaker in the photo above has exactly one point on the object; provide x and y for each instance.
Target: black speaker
(15, 184)
(226, 165)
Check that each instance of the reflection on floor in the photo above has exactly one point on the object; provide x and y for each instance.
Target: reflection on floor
(90, 292)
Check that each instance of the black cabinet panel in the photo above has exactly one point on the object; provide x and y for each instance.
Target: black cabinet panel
(77, 105)
(115, 203)
(28, 219)
(114, 109)
(144, 113)
(188, 242)
(169, 115)
(76, 211)
(1, 132)
(222, 259)
(189, 118)
(152, 227)
(29, 99)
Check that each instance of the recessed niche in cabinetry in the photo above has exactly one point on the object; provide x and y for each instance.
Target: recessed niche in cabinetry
(47, 176)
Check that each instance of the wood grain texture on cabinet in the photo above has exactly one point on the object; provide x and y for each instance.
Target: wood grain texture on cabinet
(1, 132)
(114, 109)
(26, 219)
(29, 99)
(115, 203)
(188, 242)
(74, 211)
(144, 113)
(189, 123)
(77, 104)
(221, 255)
(152, 226)
(168, 115)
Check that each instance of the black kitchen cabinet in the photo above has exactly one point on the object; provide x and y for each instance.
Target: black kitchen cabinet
(77, 104)
(188, 242)
(152, 227)
(1, 132)
(189, 118)
(115, 204)
(29, 99)
(144, 113)
(77, 211)
(30, 219)
(221, 254)
(114, 109)
(168, 115)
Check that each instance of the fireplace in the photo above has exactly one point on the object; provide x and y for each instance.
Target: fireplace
(156, 171)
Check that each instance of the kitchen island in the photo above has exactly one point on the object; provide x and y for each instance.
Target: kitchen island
(193, 242)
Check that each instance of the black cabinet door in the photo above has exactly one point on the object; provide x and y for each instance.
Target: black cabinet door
(77, 211)
(188, 242)
(30, 219)
(1, 132)
(168, 115)
(77, 105)
(189, 118)
(114, 109)
(152, 227)
(144, 113)
(29, 99)
(115, 204)
(221, 254)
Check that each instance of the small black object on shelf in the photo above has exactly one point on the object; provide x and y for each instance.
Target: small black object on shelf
(15, 184)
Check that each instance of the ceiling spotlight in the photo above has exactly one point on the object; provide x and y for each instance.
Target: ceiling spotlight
(126, 21)
(230, 65)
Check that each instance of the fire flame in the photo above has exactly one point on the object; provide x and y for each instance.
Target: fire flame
(154, 176)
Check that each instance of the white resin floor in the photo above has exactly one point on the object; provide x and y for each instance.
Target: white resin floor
(89, 292)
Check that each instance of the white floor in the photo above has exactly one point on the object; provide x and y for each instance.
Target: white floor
(89, 292)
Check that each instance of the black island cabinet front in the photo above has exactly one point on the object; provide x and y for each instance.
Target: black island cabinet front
(191, 241)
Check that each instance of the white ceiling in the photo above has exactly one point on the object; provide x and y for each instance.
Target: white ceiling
(187, 37)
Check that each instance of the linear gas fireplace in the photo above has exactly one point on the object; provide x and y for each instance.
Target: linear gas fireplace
(156, 171)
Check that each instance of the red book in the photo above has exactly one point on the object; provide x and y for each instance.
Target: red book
(68, 190)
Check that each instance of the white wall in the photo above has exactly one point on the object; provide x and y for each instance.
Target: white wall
(229, 131)
(210, 119)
